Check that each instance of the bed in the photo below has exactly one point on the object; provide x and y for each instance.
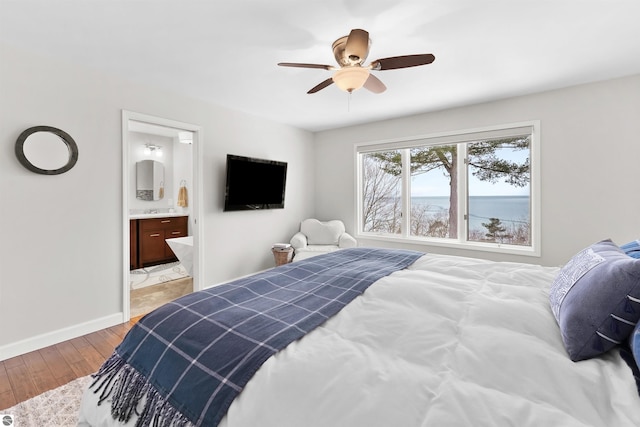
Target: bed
(440, 341)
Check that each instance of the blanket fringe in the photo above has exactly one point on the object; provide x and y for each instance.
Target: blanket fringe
(126, 388)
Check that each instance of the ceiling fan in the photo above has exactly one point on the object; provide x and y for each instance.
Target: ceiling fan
(350, 53)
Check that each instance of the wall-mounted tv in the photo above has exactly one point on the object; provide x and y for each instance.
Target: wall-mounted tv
(254, 183)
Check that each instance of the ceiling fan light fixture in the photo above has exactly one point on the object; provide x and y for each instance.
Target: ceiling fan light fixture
(350, 78)
(350, 53)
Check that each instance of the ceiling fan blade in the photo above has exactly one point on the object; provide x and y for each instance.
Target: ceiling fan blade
(374, 84)
(395, 62)
(298, 65)
(321, 85)
(357, 47)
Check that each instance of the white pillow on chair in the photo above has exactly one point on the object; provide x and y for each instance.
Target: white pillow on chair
(322, 232)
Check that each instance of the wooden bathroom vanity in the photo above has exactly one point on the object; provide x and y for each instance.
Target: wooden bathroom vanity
(147, 239)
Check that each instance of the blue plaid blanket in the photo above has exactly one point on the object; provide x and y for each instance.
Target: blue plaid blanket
(185, 362)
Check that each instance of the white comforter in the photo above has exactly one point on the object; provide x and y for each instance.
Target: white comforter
(450, 341)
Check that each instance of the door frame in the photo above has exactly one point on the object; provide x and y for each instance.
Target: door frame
(195, 199)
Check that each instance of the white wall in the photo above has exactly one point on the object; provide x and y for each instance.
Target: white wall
(590, 148)
(182, 170)
(61, 252)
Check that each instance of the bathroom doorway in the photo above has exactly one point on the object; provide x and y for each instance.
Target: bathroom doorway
(161, 203)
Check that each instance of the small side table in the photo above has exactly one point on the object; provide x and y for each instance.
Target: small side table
(282, 256)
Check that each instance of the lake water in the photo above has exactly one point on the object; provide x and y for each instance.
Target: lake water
(509, 209)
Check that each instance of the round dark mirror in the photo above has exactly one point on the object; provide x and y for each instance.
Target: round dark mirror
(46, 150)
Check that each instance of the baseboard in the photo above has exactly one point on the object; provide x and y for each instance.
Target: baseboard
(50, 338)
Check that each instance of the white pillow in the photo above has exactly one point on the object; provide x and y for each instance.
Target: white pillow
(322, 232)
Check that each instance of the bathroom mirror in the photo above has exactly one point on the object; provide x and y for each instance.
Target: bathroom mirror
(149, 180)
(46, 150)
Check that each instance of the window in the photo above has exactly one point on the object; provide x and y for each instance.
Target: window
(475, 189)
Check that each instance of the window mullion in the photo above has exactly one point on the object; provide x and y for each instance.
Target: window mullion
(463, 196)
(406, 193)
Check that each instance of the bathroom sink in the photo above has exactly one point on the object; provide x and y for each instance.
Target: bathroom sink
(155, 215)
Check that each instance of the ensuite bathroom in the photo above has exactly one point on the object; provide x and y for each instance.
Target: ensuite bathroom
(160, 227)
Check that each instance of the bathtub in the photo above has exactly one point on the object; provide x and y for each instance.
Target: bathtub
(183, 248)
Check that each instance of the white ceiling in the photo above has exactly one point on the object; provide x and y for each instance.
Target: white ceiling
(226, 52)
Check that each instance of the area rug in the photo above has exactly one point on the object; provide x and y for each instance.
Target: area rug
(156, 274)
(58, 407)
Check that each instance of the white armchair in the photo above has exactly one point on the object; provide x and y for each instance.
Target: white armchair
(318, 237)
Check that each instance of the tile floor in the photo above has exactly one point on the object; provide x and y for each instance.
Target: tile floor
(149, 298)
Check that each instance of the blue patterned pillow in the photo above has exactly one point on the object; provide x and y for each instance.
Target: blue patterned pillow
(634, 344)
(632, 249)
(630, 353)
(596, 299)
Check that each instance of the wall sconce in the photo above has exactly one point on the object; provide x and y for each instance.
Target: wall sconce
(152, 149)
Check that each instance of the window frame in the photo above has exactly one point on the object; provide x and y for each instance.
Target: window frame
(454, 137)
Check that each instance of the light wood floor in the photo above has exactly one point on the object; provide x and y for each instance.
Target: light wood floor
(28, 375)
(23, 377)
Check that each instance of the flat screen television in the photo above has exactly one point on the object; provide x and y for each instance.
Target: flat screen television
(254, 183)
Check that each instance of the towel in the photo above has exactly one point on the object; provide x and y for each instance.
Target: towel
(161, 193)
(182, 197)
